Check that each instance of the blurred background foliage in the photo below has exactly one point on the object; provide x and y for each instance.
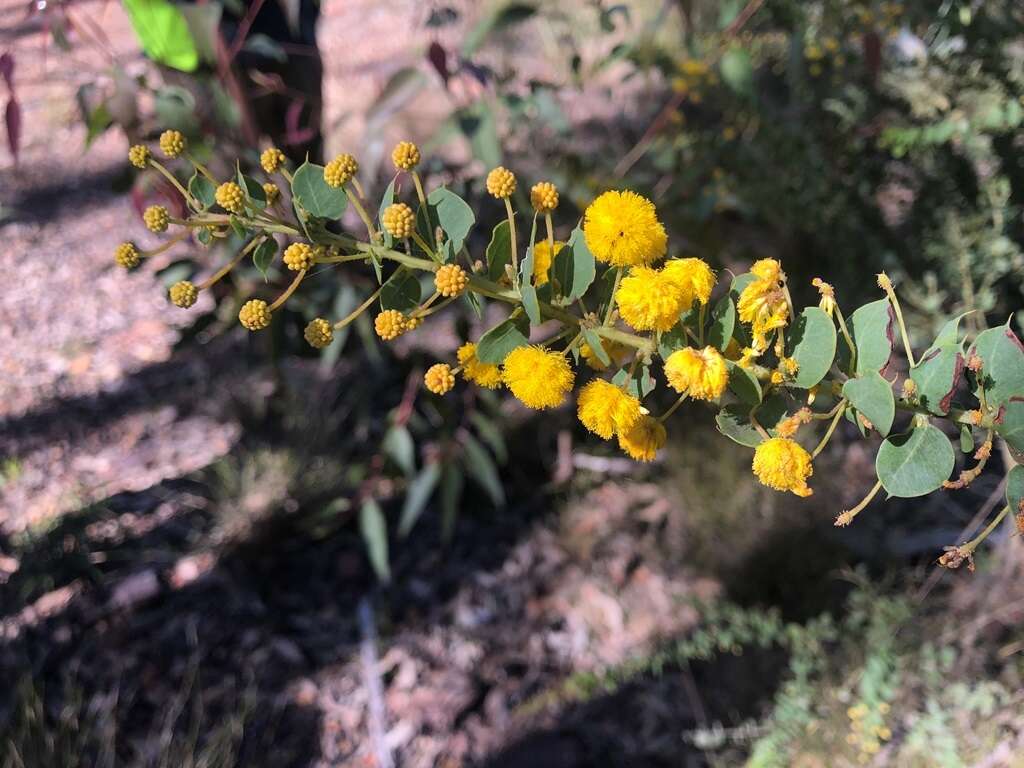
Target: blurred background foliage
(841, 137)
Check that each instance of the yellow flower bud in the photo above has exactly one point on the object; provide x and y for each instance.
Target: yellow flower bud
(172, 143)
(439, 378)
(156, 218)
(340, 170)
(229, 196)
(183, 294)
(399, 220)
(451, 280)
(501, 182)
(390, 324)
(405, 156)
(127, 255)
(298, 256)
(254, 315)
(139, 155)
(272, 192)
(272, 159)
(544, 197)
(319, 333)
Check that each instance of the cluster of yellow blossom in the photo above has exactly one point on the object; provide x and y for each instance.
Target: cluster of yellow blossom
(652, 295)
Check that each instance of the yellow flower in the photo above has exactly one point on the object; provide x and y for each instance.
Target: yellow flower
(172, 143)
(763, 302)
(298, 256)
(229, 197)
(272, 159)
(695, 277)
(701, 374)
(542, 258)
(399, 220)
(537, 377)
(340, 170)
(450, 280)
(784, 465)
(649, 300)
(254, 315)
(405, 156)
(156, 218)
(486, 375)
(183, 294)
(544, 197)
(439, 378)
(127, 255)
(501, 182)
(319, 333)
(138, 155)
(605, 409)
(644, 439)
(622, 229)
(271, 191)
(390, 324)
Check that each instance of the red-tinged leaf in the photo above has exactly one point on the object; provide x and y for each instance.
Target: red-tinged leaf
(438, 57)
(12, 117)
(7, 69)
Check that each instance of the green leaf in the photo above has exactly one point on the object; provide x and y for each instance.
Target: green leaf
(203, 236)
(950, 331)
(574, 267)
(814, 346)
(163, 33)
(737, 70)
(504, 15)
(872, 329)
(966, 439)
(481, 468)
(526, 265)
(203, 190)
(1015, 489)
(374, 531)
(399, 446)
(499, 251)
(238, 227)
(1010, 423)
(416, 497)
(530, 303)
(263, 256)
(639, 386)
(594, 342)
(387, 200)
(914, 464)
(937, 375)
(490, 432)
(401, 291)
(1002, 371)
(253, 190)
(723, 322)
(451, 494)
(495, 345)
(315, 195)
(453, 214)
(743, 384)
(733, 420)
(478, 125)
(872, 396)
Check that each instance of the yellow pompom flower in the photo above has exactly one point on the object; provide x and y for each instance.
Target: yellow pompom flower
(501, 182)
(543, 256)
(622, 229)
(399, 220)
(340, 170)
(156, 218)
(644, 439)
(405, 156)
(648, 300)
(537, 377)
(605, 409)
(699, 373)
(272, 192)
(439, 378)
(254, 315)
(544, 197)
(694, 276)
(450, 280)
(127, 255)
(229, 196)
(784, 465)
(390, 324)
(183, 294)
(486, 375)
(299, 256)
(172, 143)
(319, 333)
(139, 155)
(763, 302)
(272, 159)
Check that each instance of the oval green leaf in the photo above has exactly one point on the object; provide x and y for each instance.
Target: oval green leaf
(1002, 371)
(872, 329)
(872, 396)
(315, 195)
(495, 345)
(814, 346)
(915, 464)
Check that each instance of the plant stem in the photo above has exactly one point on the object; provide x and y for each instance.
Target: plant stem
(354, 199)
(288, 291)
(512, 241)
(831, 428)
(970, 546)
(611, 299)
(903, 327)
(191, 201)
(847, 517)
(672, 410)
(358, 310)
(220, 273)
